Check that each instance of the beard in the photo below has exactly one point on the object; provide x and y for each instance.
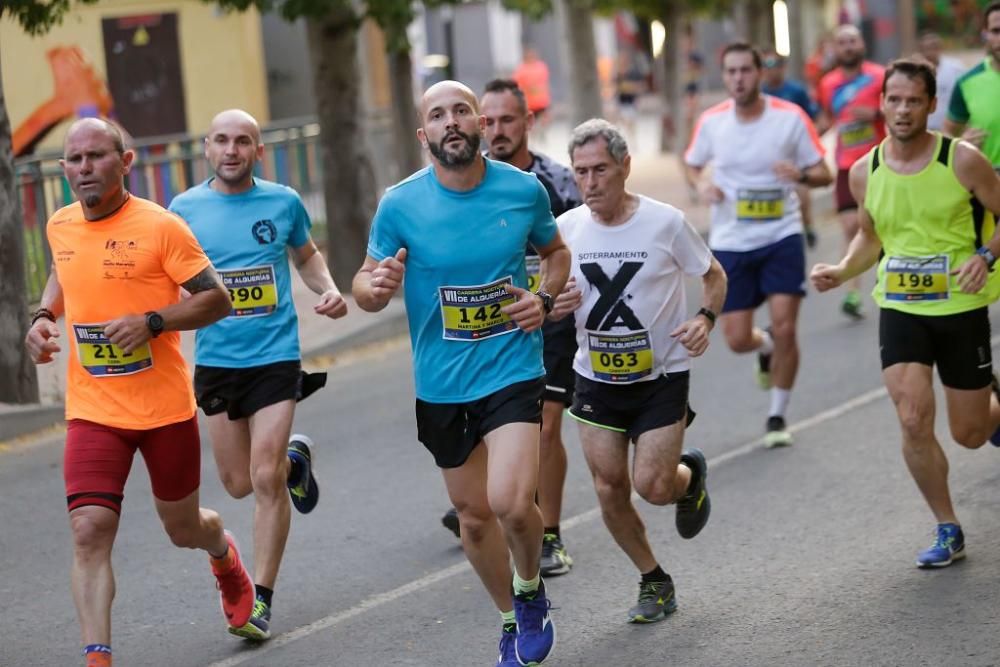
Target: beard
(851, 60)
(465, 155)
(506, 150)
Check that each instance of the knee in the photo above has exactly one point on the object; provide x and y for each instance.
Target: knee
(92, 534)
(969, 437)
(740, 342)
(475, 522)
(915, 425)
(182, 534)
(612, 492)
(783, 333)
(655, 490)
(269, 478)
(237, 485)
(515, 513)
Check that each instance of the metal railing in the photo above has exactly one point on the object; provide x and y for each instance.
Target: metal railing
(167, 165)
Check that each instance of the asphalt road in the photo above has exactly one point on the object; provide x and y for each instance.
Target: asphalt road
(807, 560)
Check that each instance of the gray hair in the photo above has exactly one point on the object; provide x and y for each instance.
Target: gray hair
(598, 128)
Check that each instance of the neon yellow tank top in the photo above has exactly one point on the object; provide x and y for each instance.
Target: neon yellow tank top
(929, 224)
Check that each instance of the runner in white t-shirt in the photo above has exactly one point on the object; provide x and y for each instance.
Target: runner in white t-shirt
(630, 257)
(760, 147)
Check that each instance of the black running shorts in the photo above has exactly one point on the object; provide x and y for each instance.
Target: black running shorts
(450, 431)
(241, 392)
(633, 408)
(958, 344)
(560, 348)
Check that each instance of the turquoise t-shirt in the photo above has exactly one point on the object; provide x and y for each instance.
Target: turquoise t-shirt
(460, 247)
(246, 236)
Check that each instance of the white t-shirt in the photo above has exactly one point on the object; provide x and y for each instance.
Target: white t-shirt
(947, 73)
(632, 279)
(758, 209)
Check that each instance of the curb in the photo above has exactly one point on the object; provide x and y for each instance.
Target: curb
(24, 420)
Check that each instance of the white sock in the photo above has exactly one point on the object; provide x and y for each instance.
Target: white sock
(767, 343)
(779, 401)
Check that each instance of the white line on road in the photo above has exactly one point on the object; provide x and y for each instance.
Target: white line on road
(461, 568)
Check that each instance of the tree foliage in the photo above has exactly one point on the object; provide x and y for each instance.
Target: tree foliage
(36, 17)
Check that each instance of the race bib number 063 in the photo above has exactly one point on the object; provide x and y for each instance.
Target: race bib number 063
(473, 313)
(620, 357)
(102, 358)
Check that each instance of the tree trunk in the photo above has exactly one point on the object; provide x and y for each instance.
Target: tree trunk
(18, 381)
(673, 60)
(404, 113)
(348, 176)
(580, 54)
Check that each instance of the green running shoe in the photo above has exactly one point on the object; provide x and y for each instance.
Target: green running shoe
(258, 628)
(555, 559)
(851, 305)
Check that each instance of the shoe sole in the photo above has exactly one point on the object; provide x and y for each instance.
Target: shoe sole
(305, 505)
(561, 569)
(957, 556)
(250, 632)
(777, 441)
(642, 620)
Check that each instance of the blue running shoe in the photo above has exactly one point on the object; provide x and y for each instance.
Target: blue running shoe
(536, 634)
(304, 491)
(995, 385)
(948, 547)
(508, 655)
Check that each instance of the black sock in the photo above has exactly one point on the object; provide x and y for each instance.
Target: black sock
(294, 471)
(264, 594)
(695, 477)
(552, 531)
(656, 574)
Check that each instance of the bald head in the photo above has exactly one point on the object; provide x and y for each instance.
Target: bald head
(235, 121)
(94, 127)
(445, 94)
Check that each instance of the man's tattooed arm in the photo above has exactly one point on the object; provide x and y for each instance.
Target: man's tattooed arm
(205, 280)
(209, 302)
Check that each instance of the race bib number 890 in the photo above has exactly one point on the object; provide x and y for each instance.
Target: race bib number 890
(252, 290)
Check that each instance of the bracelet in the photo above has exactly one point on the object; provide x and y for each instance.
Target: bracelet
(42, 313)
(709, 315)
(804, 178)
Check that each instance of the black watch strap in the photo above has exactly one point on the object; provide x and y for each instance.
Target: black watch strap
(546, 301)
(154, 321)
(709, 315)
(43, 313)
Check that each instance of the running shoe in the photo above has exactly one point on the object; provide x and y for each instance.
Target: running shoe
(555, 559)
(508, 654)
(536, 634)
(851, 305)
(777, 434)
(656, 600)
(764, 366)
(450, 521)
(995, 385)
(304, 490)
(949, 546)
(258, 628)
(235, 586)
(693, 509)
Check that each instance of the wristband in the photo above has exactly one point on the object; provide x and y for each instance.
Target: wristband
(42, 313)
(709, 315)
(988, 255)
(804, 178)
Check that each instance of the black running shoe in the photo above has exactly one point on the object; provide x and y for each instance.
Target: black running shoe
(777, 434)
(693, 509)
(305, 491)
(656, 600)
(450, 521)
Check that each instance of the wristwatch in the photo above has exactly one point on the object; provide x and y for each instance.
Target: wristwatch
(988, 255)
(546, 301)
(709, 315)
(155, 323)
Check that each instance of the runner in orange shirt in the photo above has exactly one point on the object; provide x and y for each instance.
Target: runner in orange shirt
(120, 262)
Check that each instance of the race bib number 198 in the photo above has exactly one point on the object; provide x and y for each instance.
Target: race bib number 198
(917, 278)
(102, 358)
(252, 290)
(473, 313)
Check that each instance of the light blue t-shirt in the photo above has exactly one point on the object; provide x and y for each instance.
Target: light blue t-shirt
(459, 246)
(246, 236)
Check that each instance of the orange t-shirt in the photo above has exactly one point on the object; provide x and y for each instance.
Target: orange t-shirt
(131, 262)
(533, 79)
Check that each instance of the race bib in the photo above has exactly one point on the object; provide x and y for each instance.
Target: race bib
(917, 278)
(102, 358)
(473, 313)
(252, 290)
(760, 205)
(858, 133)
(620, 357)
(533, 263)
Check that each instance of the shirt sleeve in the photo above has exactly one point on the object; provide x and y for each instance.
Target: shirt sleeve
(543, 227)
(383, 240)
(690, 251)
(808, 148)
(699, 151)
(958, 110)
(301, 223)
(182, 256)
